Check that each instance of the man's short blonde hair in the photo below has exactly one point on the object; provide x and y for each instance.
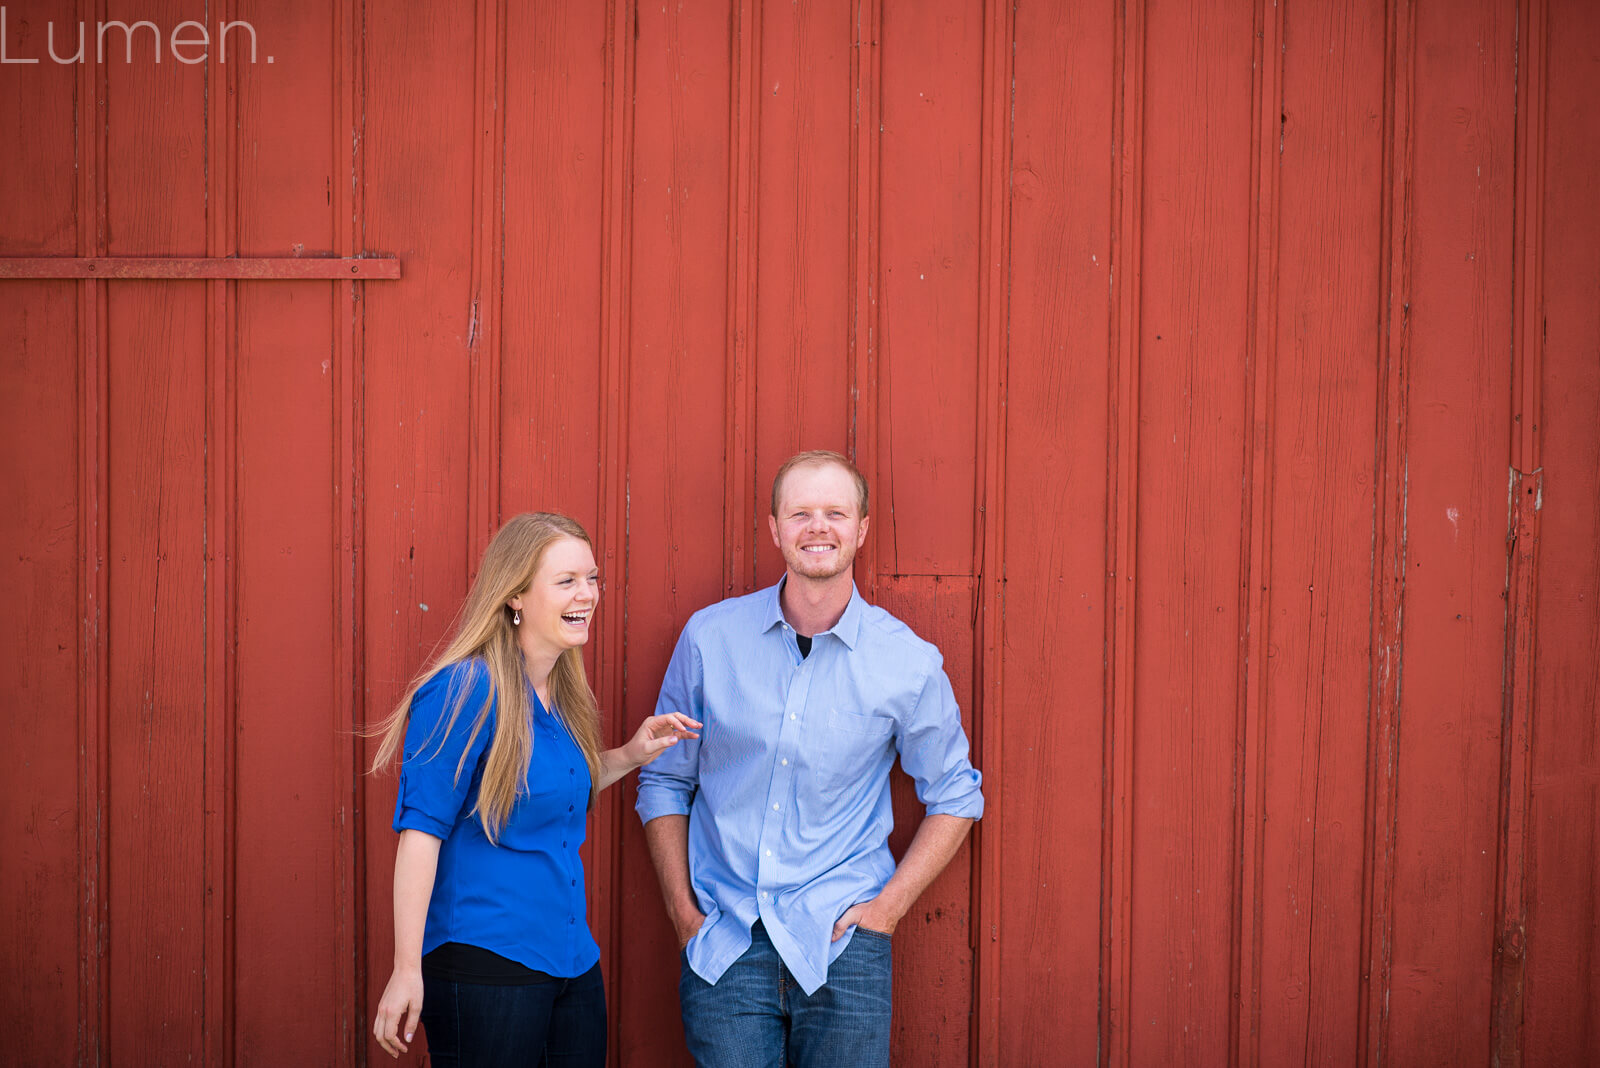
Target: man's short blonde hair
(820, 458)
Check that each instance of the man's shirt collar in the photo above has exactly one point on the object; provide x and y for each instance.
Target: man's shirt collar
(847, 630)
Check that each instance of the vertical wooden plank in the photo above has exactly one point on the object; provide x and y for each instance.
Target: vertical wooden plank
(551, 400)
(1561, 977)
(349, 675)
(488, 255)
(290, 739)
(928, 227)
(866, 112)
(1122, 469)
(1048, 728)
(933, 956)
(803, 200)
(1194, 291)
(417, 144)
(739, 453)
(1315, 659)
(221, 576)
(1522, 620)
(994, 260)
(616, 229)
(94, 554)
(1389, 570)
(616, 234)
(46, 830)
(675, 478)
(160, 704)
(1266, 156)
(1459, 428)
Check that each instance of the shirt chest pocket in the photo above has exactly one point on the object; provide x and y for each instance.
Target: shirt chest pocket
(853, 747)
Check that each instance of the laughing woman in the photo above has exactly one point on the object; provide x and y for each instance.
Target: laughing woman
(500, 760)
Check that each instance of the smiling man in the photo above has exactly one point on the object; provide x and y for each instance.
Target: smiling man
(770, 832)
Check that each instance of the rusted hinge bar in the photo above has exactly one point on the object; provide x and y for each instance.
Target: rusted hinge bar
(253, 269)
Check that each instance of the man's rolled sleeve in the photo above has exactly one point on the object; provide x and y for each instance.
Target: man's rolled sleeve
(432, 795)
(934, 751)
(667, 784)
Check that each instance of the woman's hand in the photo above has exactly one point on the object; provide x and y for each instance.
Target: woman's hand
(654, 735)
(657, 734)
(402, 1000)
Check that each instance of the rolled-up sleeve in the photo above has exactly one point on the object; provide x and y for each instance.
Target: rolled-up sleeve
(432, 794)
(934, 752)
(668, 783)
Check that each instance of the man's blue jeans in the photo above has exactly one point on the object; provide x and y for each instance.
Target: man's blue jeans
(756, 1016)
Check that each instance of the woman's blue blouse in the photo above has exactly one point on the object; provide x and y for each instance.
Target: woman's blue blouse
(522, 898)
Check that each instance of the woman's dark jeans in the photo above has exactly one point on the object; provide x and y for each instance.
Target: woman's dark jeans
(557, 1024)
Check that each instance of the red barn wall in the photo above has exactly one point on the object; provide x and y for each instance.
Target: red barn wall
(1228, 377)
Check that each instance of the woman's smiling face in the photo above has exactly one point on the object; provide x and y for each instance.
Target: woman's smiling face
(559, 603)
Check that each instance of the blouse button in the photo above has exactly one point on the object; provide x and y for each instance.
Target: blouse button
(563, 845)
(569, 808)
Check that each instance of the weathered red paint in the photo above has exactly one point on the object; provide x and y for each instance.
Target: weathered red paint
(1225, 374)
(253, 268)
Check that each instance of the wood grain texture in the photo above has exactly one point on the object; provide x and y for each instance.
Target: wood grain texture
(1522, 585)
(1049, 723)
(1191, 351)
(933, 958)
(1314, 664)
(220, 534)
(1121, 523)
(157, 875)
(1191, 334)
(1261, 360)
(988, 564)
(676, 428)
(1459, 383)
(290, 745)
(804, 204)
(1390, 530)
(1561, 995)
(931, 81)
(418, 145)
(48, 879)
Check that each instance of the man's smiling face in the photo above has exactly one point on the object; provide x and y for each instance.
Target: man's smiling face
(819, 525)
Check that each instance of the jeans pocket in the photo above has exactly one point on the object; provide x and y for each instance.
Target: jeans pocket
(876, 935)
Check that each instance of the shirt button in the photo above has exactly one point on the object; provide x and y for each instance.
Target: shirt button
(791, 715)
(574, 920)
(769, 852)
(569, 808)
(785, 761)
(775, 806)
(563, 845)
(574, 882)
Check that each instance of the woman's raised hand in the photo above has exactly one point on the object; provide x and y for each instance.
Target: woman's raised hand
(657, 734)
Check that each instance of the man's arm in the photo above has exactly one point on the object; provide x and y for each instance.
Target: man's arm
(668, 837)
(932, 847)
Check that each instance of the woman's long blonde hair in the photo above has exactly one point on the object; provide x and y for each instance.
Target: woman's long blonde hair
(484, 631)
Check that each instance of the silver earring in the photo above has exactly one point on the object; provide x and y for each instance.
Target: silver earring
(516, 617)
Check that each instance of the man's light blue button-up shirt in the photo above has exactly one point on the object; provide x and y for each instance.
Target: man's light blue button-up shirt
(787, 788)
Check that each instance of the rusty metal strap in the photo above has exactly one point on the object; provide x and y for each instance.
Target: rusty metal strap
(253, 269)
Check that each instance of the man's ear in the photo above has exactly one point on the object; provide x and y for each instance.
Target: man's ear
(772, 525)
(861, 534)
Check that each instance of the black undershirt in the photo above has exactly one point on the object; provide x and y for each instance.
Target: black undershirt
(458, 962)
(805, 645)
